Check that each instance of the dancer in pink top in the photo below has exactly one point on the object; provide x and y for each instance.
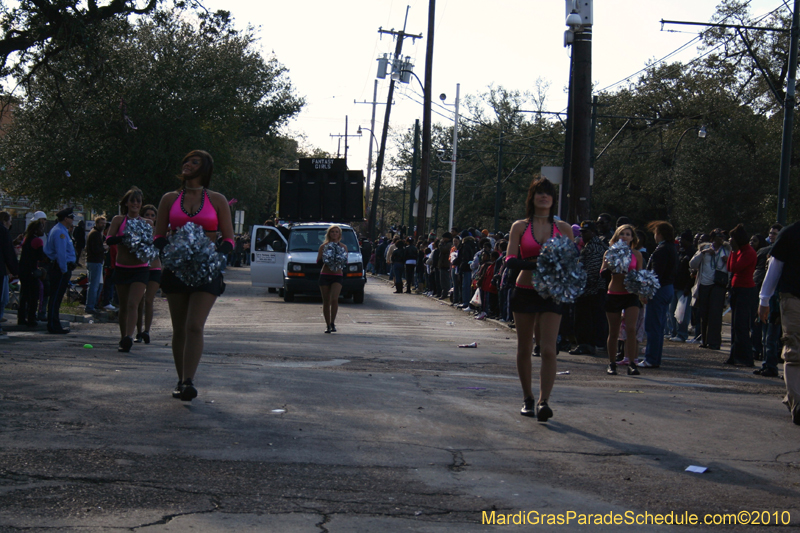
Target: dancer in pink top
(189, 306)
(534, 315)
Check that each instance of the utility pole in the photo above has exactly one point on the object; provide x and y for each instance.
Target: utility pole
(400, 36)
(374, 103)
(414, 166)
(426, 122)
(340, 139)
(591, 154)
(788, 119)
(579, 20)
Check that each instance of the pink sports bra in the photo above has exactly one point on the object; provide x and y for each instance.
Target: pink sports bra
(529, 246)
(121, 230)
(206, 216)
(633, 264)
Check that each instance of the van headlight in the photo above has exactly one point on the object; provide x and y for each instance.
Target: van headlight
(355, 267)
(296, 267)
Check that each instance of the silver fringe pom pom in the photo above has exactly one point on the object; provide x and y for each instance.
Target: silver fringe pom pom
(192, 256)
(334, 256)
(642, 282)
(138, 239)
(618, 257)
(558, 274)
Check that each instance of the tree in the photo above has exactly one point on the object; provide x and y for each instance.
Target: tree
(38, 30)
(528, 140)
(124, 112)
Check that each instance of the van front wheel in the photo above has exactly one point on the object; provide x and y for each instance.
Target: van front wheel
(358, 297)
(288, 296)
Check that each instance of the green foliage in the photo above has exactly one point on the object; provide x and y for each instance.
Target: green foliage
(125, 110)
(33, 32)
(529, 142)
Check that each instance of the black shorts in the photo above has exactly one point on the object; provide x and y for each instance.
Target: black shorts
(170, 284)
(616, 303)
(525, 300)
(155, 275)
(326, 280)
(126, 276)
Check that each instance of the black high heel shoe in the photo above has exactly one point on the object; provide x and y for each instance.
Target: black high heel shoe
(178, 390)
(543, 411)
(145, 337)
(333, 327)
(125, 344)
(188, 393)
(138, 338)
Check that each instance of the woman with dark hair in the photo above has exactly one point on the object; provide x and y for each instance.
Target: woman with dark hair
(30, 273)
(664, 262)
(130, 273)
(618, 299)
(742, 264)
(757, 242)
(145, 315)
(189, 306)
(534, 315)
(330, 256)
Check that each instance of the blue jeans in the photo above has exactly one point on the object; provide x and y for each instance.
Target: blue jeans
(398, 269)
(457, 295)
(95, 272)
(654, 321)
(466, 285)
(674, 328)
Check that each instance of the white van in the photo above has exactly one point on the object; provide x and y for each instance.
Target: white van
(285, 259)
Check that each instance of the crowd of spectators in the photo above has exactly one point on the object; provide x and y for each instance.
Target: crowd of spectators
(712, 274)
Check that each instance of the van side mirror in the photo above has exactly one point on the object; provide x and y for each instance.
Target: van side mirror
(279, 246)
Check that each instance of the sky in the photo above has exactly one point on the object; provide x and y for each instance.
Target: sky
(331, 48)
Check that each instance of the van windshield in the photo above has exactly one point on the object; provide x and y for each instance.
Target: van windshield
(310, 239)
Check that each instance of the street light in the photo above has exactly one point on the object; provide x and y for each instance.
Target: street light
(701, 134)
(443, 97)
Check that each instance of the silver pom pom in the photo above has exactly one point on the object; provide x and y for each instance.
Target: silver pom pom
(558, 274)
(192, 256)
(334, 256)
(138, 239)
(642, 282)
(618, 257)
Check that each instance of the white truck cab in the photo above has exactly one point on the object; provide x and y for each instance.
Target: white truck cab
(285, 258)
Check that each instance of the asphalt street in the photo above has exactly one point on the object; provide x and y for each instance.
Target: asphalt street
(386, 425)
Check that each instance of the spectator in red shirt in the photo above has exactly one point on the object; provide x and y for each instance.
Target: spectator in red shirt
(742, 264)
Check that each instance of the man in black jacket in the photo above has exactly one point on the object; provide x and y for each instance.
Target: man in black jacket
(679, 331)
(467, 251)
(398, 259)
(366, 251)
(783, 277)
(663, 262)
(589, 315)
